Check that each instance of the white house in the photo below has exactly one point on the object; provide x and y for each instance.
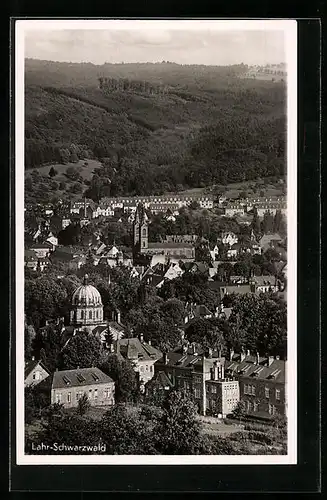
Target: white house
(229, 238)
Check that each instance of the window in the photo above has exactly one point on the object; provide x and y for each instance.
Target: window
(151, 368)
(58, 398)
(82, 314)
(90, 393)
(270, 409)
(197, 393)
(90, 315)
(249, 405)
(255, 406)
(278, 394)
(69, 397)
(267, 392)
(246, 389)
(252, 390)
(77, 396)
(141, 368)
(95, 393)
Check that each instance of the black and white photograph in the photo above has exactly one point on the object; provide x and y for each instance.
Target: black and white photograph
(156, 253)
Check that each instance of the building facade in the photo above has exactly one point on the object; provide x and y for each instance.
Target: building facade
(68, 387)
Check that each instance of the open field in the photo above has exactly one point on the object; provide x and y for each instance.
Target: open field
(85, 171)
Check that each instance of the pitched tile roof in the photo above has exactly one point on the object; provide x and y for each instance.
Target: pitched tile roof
(162, 379)
(248, 368)
(133, 348)
(30, 365)
(79, 378)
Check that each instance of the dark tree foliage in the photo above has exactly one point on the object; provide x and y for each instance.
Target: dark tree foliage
(133, 123)
(83, 351)
(121, 371)
(259, 323)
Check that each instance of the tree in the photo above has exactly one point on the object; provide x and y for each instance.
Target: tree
(68, 429)
(121, 371)
(44, 299)
(83, 405)
(52, 172)
(178, 430)
(239, 411)
(126, 432)
(259, 323)
(255, 225)
(47, 346)
(267, 225)
(83, 350)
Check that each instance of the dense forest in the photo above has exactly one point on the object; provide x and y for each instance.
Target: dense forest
(155, 127)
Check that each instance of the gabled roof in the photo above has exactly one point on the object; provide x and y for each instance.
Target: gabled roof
(240, 289)
(31, 365)
(30, 255)
(133, 348)
(264, 280)
(248, 368)
(79, 378)
(161, 379)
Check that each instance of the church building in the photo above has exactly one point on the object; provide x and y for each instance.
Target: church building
(87, 314)
(142, 245)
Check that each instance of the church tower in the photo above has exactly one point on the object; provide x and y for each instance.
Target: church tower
(140, 229)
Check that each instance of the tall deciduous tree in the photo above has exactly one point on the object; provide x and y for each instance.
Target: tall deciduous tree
(83, 350)
(178, 428)
(121, 371)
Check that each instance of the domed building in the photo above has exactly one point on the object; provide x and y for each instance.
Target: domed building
(87, 307)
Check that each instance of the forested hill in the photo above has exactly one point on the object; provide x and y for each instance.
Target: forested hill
(155, 127)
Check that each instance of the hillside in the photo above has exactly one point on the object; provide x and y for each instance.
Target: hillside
(154, 127)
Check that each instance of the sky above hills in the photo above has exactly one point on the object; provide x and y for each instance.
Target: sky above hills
(209, 47)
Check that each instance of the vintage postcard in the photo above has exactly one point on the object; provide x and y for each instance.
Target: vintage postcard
(156, 257)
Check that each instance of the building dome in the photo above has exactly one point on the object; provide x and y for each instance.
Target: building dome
(86, 295)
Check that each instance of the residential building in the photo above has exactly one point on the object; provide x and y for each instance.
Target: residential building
(261, 381)
(68, 387)
(189, 369)
(269, 241)
(42, 250)
(234, 209)
(35, 372)
(140, 354)
(228, 238)
(264, 284)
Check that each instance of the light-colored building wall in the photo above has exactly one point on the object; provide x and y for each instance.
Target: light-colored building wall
(98, 394)
(36, 376)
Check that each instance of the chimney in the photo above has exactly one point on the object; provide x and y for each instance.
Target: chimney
(231, 355)
(257, 359)
(141, 338)
(209, 352)
(165, 358)
(248, 352)
(270, 360)
(222, 371)
(193, 348)
(149, 342)
(242, 355)
(33, 358)
(184, 348)
(277, 358)
(112, 348)
(216, 367)
(118, 316)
